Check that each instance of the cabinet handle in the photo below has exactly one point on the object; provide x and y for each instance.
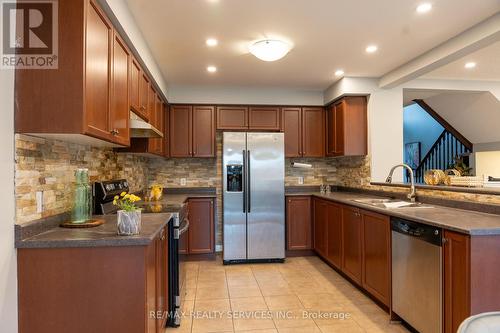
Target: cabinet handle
(115, 132)
(445, 240)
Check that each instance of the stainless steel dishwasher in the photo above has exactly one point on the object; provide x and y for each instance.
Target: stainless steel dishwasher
(417, 274)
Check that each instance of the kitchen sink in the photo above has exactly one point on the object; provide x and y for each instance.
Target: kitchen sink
(390, 203)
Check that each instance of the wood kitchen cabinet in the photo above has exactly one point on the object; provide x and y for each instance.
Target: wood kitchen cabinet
(118, 287)
(264, 118)
(88, 97)
(320, 213)
(232, 117)
(304, 130)
(334, 235)
(192, 131)
(155, 145)
(166, 132)
(347, 127)
(298, 223)
(201, 226)
(376, 238)
(352, 254)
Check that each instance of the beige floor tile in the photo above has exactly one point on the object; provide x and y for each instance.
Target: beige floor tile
(307, 329)
(247, 281)
(186, 326)
(212, 305)
(342, 327)
(248, 304)
(218, 325)
(190, 294)
(292, 318)
(244, 291)
(245, 324)
(187, 306)
(212, 293)
(273, 330)
(322, 302)
(275, 291)
(284, 302)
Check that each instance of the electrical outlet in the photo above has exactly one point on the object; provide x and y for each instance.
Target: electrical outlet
(39, 202)
(301, 180)
(183, 181)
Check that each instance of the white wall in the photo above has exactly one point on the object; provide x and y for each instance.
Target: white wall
(487, 164)
(8, 268)
(243, 95)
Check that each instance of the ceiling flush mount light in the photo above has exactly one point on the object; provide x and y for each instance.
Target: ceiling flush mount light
(371, 48)
(269, 49)
(211, 42)
(339, 72)
(424, 7)
(470, 65)
(211, 69)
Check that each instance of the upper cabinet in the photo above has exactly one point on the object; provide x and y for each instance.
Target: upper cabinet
(232, 117)
(304, 130)
(263, 118)
(347, 127)
(192, 131)
(88, 97)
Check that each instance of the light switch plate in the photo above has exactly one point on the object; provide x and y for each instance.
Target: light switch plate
(183, 181)
(39, 202)
(301, 180)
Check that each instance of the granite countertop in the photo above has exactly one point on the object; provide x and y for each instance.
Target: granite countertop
(463, 221)
(103, 235)
(46, 233)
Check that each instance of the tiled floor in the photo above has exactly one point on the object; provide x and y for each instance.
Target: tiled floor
(302, 295)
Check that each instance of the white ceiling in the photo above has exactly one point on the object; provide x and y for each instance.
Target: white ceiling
(487, 68)
(326, 34)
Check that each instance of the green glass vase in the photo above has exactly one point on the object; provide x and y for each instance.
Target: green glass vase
(82, 205)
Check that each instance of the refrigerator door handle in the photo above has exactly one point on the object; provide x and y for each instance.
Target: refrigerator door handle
(244, 182)
(249, 197)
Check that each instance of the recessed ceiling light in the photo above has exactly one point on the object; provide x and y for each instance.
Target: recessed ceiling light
(424, 7)
(211, 42)
(212, 69)
(269, 49)
(371, 48)
(339, 72)
(470, 65)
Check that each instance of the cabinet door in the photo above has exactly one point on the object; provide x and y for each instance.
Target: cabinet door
(339, 128)
(320, 226)
(298, 223)
(119, 110)
(330, 131)
(292, 128)
(232, 117)
(135, 86)
(351, 243)
(456, 280)
(151, 110)
(313, 132)
(156, 145)
(180, 131)
(166, 132)
(334, 228)
(203, 131)
(144, 95)
(99, 40)
(161, 280)
(377, 255)
(355, 126)
(201, 226)
(264, 118)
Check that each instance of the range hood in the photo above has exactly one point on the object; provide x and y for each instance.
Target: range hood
(141, 129)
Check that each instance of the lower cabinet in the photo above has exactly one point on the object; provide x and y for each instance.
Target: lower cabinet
(352, 256)
(200, 238)
(121, 288)
(320, 213)
(334, 235)
(298, 223)
(376, 237)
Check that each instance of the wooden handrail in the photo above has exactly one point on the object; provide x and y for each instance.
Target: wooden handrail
(444, 123)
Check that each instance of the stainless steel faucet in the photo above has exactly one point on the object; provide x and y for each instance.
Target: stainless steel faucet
(413, 192)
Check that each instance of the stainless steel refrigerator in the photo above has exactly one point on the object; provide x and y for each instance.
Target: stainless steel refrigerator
(253, 197)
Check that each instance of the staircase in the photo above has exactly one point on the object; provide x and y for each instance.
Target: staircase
(448, 146)
(443, 153)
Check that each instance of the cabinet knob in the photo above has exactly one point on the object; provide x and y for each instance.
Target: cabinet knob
(115, 131)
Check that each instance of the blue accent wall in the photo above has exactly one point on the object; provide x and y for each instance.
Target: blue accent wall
(419, 126)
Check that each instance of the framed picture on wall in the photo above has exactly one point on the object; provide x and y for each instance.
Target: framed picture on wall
(412, 154)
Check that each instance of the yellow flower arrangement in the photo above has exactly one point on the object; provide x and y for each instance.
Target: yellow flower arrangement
(126, 201)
